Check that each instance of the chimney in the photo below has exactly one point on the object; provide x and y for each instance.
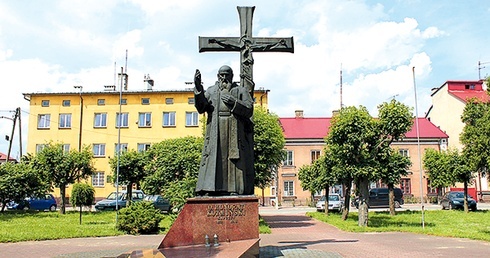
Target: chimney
(335, 112)
(299, 113)
(148, 82)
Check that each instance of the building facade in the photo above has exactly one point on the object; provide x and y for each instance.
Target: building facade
(448, 103)
(305, 140)
(101, 120)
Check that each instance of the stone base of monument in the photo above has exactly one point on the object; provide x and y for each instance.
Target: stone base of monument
(225, 226)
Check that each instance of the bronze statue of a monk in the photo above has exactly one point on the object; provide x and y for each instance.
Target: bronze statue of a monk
(227, 166)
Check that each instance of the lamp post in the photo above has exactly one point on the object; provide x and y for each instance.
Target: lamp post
(79, 87)
(418, 146)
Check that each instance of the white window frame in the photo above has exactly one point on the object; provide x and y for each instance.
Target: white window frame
(45, 103)
(98, 179)
(100, 102)
(191, 118)
(145, 101)
(40, 147)
(144, 119)
(142, 147)
(289, 188)
(315, 154)
(404, 152)
(169, 118)
(66, 103)
(124, 120)
(100, 120)
(98, 150)
(289, 161)
(43, 121)
(64, 121)
(124, 148)
(66, 148)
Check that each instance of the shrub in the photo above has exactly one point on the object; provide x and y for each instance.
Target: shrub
(139, 218)
(179, 191)
(82, 195)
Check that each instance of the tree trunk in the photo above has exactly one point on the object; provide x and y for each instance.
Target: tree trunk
(391, 196)
(345, 208)
(63, 194)
(327, 188)
(263, 197)
(363, 217)
(129, 195)
(465, 198)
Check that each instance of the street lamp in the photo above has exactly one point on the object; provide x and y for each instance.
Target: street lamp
(418, 146)
(79, 87)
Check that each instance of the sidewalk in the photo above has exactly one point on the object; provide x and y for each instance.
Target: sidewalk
(293, 235)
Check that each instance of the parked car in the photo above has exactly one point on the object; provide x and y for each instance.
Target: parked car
(334, 202)
(110, 202)
(455, 200)
(159, 202)
(379, 198)
(41, 203)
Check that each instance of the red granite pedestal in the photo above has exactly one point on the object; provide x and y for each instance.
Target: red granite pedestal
(230, 218)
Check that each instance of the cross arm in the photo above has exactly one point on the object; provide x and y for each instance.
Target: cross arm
(227, 44)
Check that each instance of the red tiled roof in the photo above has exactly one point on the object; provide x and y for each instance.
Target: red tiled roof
(466, 95)
(305, 128)
(4, 156)
(317, 128)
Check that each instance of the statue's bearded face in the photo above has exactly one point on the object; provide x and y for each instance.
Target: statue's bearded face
(225, 77)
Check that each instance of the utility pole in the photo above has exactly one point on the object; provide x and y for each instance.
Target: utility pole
(81, 118)
(481, 67)
(16, 115)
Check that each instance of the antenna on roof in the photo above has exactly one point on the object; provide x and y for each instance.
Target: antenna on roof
(481, 67)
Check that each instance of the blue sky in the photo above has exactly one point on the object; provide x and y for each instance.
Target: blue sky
(50, 46)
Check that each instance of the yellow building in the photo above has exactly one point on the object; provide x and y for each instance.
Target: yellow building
(91, 119)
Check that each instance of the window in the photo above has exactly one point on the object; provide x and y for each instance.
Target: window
(65, 121)
(404, 152)
(288, 188)
(168, 118)
(100, 120)
(144, 120)
(169, 101)
(430, 190)
(98, 179)
(66, 103)
(191, 118)
(289, 158)
(122, 120)
(43, 120)
(101, 102)
(143, 147)
(405, 185)
(145, 101)
(66, 148)
(39, 147)
(99, 150)
(124, 148)
(315, 154)
(191, 101)
(124, 101)
(45, 103)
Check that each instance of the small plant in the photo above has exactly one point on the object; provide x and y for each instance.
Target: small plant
(139, 218)
(82, 195)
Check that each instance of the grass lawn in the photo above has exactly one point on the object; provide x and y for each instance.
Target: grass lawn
(454, 223)
(19, 226)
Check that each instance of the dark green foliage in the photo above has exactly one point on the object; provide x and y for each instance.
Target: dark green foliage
(63, 168)
(170, 161)
(268, 146)
(18, 181)
(139, 218)
(82, 195)
(131, 169)
(177, 192)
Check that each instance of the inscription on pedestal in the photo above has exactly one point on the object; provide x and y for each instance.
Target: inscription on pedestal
(228, 212)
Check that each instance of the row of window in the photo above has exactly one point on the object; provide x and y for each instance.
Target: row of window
(101, 102)
(99, 149)
(122, 120)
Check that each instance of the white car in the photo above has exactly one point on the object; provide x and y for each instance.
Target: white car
(334, 203)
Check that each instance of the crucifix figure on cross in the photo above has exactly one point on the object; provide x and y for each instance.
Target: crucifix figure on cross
(227, 166)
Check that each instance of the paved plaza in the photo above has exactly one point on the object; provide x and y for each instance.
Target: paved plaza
(293, 235)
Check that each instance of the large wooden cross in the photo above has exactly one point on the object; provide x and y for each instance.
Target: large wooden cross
(246, 44)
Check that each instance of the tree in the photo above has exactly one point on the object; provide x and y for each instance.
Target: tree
(82, 195)
(446, 168)
(18, 181)
(360, 148)
(268, 147)
(62, 167)
(131, 169)
(394, 167)
(476, 135)
(171, 160)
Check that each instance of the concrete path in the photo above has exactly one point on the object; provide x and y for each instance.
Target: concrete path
(293, 235)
